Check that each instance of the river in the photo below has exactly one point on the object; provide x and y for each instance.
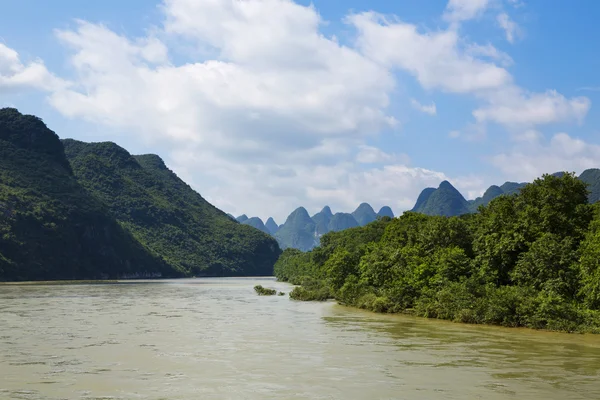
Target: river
(216, 339)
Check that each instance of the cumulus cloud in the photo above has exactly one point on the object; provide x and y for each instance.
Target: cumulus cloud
(443, 60)
(424, 108)
(462, 10)
(510, 28)
(515, 107)
(437, 59)
(561, 153)
(15, 75)
(268, 113)
(275, 114)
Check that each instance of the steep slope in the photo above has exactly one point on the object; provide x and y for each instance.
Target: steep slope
(168, 216)
(491, 193)
(512, 187)
(341, 221)
(364, 214)
(271, 226)
(422, 199)
(321, 220)
(592, 178)
(385, 212)
(445, 201)
(242, 218)
(257, 223)
(50, 226)
(298, 231)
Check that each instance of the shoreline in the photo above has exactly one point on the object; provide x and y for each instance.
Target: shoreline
(121, 281)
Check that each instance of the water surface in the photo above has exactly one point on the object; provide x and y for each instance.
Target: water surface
(216, 339)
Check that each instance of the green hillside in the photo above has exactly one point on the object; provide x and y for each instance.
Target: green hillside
(168, 216)
(50, 226)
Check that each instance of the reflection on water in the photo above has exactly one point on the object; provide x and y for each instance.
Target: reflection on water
(216, 339)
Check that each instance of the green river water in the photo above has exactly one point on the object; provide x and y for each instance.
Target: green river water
(216, 339)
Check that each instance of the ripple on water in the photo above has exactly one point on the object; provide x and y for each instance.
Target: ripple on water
(215, 339)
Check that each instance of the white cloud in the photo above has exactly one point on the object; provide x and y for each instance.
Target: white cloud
(462, 10)
(269, 113)
(436, 59)
(515, 107)
(476, 50)
(268, 190)
(510, 27)
(16, 75)
(562, 153)
(273, 118)
(374, 155)
(223, 103)
(425, 108)
(444, 61)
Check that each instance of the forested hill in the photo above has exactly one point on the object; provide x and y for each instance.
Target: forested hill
(50, 226)
(531, 259)
(168, 216)
(102, 213)
(447, 201)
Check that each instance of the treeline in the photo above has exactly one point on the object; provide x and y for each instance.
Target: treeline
(530, 259)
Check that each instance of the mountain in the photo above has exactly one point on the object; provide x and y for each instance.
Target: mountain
(512, 187)
(445, 200)
(271, 226)
(422, 199)
(385, 211)
(166, 215)
(491, 193)
(508, 188)
(364, 214)
(592, 178)
(304, 232)
(50, 226)
(341, 221)
(257, 223)
(242, 218)
(321, 220)
(298, 231)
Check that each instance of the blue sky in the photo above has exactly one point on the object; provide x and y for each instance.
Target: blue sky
(267, 105)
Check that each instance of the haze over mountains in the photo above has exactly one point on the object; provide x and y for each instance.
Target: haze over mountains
(301, 231)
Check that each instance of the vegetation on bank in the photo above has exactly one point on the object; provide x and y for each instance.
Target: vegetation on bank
(530, 259)
(263, 291)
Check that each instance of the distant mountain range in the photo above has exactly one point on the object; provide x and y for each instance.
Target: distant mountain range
(446, 200)
(301, 231)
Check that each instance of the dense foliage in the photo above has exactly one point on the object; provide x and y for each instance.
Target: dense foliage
(530, 259)
(167, 216)
(50, 227)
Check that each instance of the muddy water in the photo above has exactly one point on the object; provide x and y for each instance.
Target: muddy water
(216, 339)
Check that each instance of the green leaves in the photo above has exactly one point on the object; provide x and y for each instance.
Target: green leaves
(529, 259)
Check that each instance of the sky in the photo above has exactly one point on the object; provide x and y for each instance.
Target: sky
(263, 106)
